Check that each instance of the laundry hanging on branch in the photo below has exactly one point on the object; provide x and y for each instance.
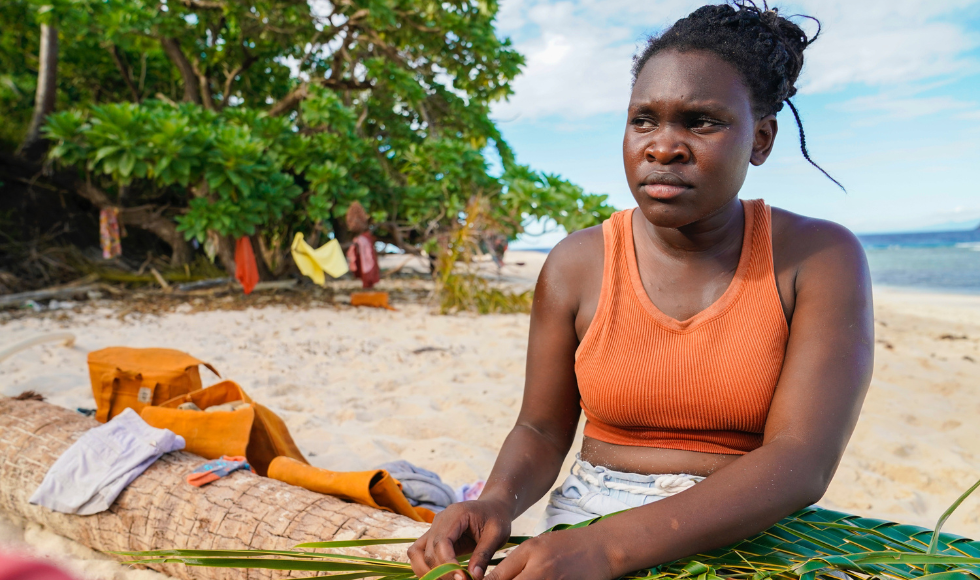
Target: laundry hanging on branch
(313, 263)
(109, 233)
(246, 270)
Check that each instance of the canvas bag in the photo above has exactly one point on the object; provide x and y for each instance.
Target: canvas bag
(253, 431)
(132, 378)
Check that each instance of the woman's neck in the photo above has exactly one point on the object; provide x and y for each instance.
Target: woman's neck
(716, 234)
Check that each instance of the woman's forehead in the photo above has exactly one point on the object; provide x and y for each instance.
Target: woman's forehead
(690, 76)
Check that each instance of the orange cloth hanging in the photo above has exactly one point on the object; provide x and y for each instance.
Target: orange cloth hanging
(246, 270)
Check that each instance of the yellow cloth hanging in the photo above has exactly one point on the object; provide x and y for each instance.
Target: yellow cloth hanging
(312, 263)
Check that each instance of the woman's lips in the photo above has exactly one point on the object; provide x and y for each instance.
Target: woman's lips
(662, 191)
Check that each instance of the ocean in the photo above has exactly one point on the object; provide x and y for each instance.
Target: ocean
(939, 261)
(931, 261)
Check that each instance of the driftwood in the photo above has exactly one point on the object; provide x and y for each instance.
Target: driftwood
(61, 292)
(160, 510)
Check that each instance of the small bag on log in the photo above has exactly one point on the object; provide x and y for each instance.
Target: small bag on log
(250, 430)
(132, 378)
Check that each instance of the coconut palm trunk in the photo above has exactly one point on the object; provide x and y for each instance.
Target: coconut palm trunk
(160, 510)
(34, 146)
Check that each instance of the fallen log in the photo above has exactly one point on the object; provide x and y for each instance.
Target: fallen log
(160, 510)
(64, 292)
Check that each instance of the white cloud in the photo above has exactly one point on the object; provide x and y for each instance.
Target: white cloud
(579, 52)
(885, 107)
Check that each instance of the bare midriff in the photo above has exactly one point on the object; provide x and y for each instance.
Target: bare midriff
(652, 460)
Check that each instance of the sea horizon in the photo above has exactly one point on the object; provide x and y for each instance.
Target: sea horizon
(944, 261)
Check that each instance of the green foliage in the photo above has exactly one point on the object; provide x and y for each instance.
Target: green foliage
(293, 111)
(460, 286)
(812, 544)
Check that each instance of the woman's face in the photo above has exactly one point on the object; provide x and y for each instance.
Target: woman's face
(690, 136)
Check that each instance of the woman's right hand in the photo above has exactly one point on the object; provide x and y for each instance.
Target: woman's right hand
(480, 527)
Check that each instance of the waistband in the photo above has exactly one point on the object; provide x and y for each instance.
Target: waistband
(659, 485)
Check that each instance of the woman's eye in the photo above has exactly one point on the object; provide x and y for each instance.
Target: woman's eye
(643, 123)
(704, 123)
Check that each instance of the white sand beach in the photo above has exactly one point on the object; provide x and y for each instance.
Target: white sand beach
(358, 387)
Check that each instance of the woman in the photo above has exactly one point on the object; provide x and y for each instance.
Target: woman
(720, 349)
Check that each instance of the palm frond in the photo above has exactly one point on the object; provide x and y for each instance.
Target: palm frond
(813, 544)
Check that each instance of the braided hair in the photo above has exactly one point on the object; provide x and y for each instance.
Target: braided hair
(766, 48)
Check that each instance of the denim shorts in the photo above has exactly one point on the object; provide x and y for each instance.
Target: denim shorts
(589, 492)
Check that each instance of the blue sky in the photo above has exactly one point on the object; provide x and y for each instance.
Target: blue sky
(890, 96)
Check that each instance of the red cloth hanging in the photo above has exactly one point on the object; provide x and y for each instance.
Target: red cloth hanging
(246, 270)
(363, 260)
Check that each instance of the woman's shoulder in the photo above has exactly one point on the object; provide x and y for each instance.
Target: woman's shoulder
(801, 243)
(574, 265)
(582, 249)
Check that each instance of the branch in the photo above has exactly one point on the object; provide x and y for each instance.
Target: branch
(117, 57)
(204, 82)
(176, 55)
(290, 101)
(204, 4)
(230, 77)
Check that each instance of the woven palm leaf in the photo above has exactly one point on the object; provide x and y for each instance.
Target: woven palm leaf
(812, 544)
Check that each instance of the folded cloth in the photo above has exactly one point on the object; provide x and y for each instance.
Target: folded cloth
(216, 469)
(17, 567)
(421, 487)
(470, 491)
(91, 474)
(312, 263)
(375, 488)
(371, 299)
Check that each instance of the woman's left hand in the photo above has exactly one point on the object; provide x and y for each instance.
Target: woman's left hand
(575, 554)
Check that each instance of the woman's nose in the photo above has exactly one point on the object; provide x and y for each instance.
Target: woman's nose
(666, 147)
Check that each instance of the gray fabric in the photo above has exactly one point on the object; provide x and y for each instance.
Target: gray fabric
(91, 474)
(421, 487)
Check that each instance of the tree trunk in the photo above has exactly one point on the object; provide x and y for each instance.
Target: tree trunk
(261, 265)
(160, 510)
(34, 145)
(225, 248)
(145, 217)
(176, 55)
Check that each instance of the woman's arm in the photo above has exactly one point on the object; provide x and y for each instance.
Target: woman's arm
(532, 454)
(825, 376)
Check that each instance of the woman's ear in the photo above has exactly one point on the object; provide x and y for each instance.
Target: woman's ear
(765, 137)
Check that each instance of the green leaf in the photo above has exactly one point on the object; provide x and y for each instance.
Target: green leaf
(934, 544)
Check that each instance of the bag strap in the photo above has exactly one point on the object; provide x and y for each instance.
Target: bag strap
(212, 369)
(109, 380)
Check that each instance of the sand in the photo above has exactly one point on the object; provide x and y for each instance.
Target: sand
(359, 387)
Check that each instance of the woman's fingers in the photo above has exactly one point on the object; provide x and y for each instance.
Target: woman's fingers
(416, 556)
(488, 542)
(511, 566)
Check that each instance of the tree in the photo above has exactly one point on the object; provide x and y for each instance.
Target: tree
(289, 112)
(33, 146)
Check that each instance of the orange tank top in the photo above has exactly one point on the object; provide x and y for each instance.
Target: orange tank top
(702, 384)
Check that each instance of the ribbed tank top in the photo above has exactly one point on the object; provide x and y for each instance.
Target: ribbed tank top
(702, 384)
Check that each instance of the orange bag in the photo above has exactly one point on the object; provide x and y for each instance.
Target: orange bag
(375, 488)
(124, 378)
(253, 431)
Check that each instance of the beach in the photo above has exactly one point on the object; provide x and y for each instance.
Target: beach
(359, 387)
